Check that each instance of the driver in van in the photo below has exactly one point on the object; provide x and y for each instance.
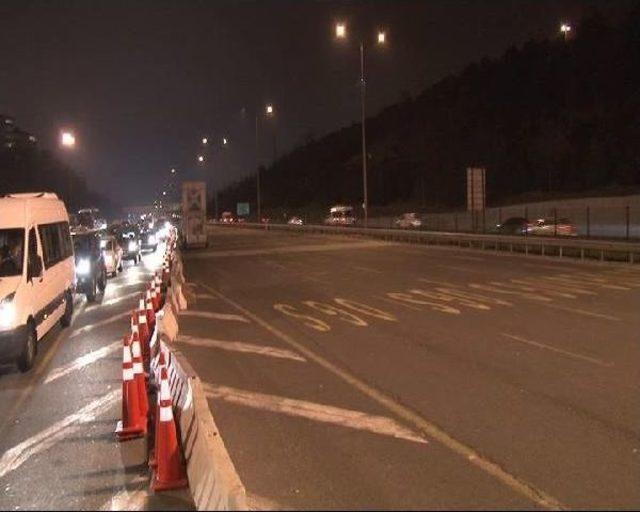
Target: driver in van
(11, 257)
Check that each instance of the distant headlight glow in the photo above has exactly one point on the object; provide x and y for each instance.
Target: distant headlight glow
(83, 267)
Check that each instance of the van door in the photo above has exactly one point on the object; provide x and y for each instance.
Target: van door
(36, 286)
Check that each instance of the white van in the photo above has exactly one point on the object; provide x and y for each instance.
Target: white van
(37, 273)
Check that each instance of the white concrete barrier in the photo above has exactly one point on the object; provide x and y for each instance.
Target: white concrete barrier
(213, 480)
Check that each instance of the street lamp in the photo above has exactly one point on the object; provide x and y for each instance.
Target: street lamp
(341, 33)
(269, 111)
(204, 141)
(565, 28)
(67, 139)
(200, 158)
(173, 171)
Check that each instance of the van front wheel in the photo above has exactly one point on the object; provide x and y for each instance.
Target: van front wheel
(28, 355)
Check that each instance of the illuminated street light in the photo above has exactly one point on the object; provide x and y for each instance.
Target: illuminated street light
(565, 28)
(164, 192)
(67, 139)
(200, 158)
(224, 141)
(173, 171)
(204, 141)
(269, 109)
(341, 33)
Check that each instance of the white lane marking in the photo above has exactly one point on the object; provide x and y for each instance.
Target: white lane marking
(313, 411)
(128, 284)
(558, 350)
(493, 469)
(367, 269)
(205, 296)
(111, 302)
(214, 316)
(239, 346)
(83, 361)
(95, 325)
(12, 459)
(255, 502)
(580, 311)
(290, 249)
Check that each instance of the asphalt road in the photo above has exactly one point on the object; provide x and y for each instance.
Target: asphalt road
(349, 373)
(57, 444)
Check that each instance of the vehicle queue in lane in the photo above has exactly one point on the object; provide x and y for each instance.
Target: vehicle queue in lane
(44, 262)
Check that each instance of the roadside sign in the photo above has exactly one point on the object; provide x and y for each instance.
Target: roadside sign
(476, 189)
(242, 209)
(194, 212)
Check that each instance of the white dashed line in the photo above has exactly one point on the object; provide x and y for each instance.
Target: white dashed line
(239, 346)
(12, 459)
(214, 316)
(83, 361)
(557, 350)
(313, 411)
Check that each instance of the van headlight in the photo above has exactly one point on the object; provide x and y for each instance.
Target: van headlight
(133, 246)
(83, 267)
(7, 312)
(151, 240)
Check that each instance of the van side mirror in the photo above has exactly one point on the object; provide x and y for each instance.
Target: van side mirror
(34, 269)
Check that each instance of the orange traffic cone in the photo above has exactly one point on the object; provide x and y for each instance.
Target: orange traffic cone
(138, 374)
(151, 316)
(133, 424)
(170, 471)
(163, 395)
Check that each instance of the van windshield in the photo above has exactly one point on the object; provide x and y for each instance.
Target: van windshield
(11, 252)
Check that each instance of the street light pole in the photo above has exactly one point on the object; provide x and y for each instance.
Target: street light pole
(258, 206)
(364, 136)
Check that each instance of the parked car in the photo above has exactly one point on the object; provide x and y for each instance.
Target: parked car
(514, 226)
(91, 270)
(340, 216)
(295, 221)
(112, 252)
(547, 227)
(36, 273)
(408, 221)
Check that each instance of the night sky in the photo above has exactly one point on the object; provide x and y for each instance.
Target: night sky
(141, 82)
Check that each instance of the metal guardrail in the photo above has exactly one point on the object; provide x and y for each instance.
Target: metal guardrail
(528, 244)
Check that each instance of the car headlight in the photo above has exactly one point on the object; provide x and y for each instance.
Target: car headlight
(83, 267)
(7, 312)
(133, 246)
(151, 239)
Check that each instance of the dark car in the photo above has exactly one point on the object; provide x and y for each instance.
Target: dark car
(149, 239)
(514, 226)
(129, 237)
(91, 272)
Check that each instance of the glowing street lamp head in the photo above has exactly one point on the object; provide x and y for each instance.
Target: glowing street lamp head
(173, 171)
(164, 192)
(67, 139)
(565, 28)
(382, 37)
(205, 141)
(269, 109)
(224, 141)
(200, 158)
(341, 30)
